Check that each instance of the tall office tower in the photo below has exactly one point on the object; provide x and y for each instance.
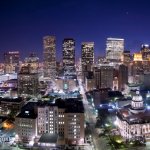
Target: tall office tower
(114, 49)
(122, 76)
(87, 55)
(126, 57)
(104, 76)
(69, 56)
(145, 50)
(11, 61)
(27, 82)
(33, 61)
(49, 52)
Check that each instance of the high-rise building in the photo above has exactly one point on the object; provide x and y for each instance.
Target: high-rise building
(104, 76)
(126, 57)
(145, 50)
(11, 61)
(69, 56)
(114, 49)
(27, 82)
(49, 52)
(87, 55)
(33, 61)
(122, 76)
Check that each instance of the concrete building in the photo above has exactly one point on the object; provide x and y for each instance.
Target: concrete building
(114, 49)
(69, 56)
(11, 61)
(122, 77)
(33, 61)
(104, 76)
(66, 84)
(65, 118)
(26, 126)
(49, 43)
(126, 57)
(10, 105)
(145, 51)
(133, 121)
(27, 82)
(87, 55)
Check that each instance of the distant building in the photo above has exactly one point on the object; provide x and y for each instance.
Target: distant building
(100, 96)
(27, 82)
(87, 55)
(104, 76)
(126, 57)
(122, 76)
(114, 49)
(33, 61)
(49, 43)
(145, 51)
(11, 61)
(69, 56)
(66, 84)
(89, 81)
(137, 57)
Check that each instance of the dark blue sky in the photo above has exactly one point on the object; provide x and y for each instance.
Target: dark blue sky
(23, 23)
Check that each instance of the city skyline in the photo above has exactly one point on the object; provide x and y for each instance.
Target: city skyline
(25, 23)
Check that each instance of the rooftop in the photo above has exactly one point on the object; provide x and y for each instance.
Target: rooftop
(27, 114)
(133, 118)
(17, 100)
(48, 138)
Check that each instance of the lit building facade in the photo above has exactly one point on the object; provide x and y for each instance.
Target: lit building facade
(133, 121)
(114, 49)
(33, 61)
(65, 118)
(27, 82)
(69, 56)
(145, 51)
(26, 126)
(87, 56)
(11, 61)
(49, 43)
(126, 57)
(104, 76)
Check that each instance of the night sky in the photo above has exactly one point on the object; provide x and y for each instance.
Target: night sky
(23, 23)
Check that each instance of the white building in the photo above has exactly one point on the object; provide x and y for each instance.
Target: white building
(133, 121)
(114, 49)
(64, 118)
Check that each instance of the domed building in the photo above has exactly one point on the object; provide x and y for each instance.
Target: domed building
(133, 121)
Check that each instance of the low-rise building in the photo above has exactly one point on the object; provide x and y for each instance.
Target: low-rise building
(26, 126)
(133, 121)
(10, 105)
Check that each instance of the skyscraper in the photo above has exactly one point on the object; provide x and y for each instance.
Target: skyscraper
(87, 55)
(145, 50)
(122, 76)
(49, 43)
(11, 60)
(114, 49)
(69, 55)
(33, 61)
(27, 82)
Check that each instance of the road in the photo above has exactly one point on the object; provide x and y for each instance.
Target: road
(90, 117)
